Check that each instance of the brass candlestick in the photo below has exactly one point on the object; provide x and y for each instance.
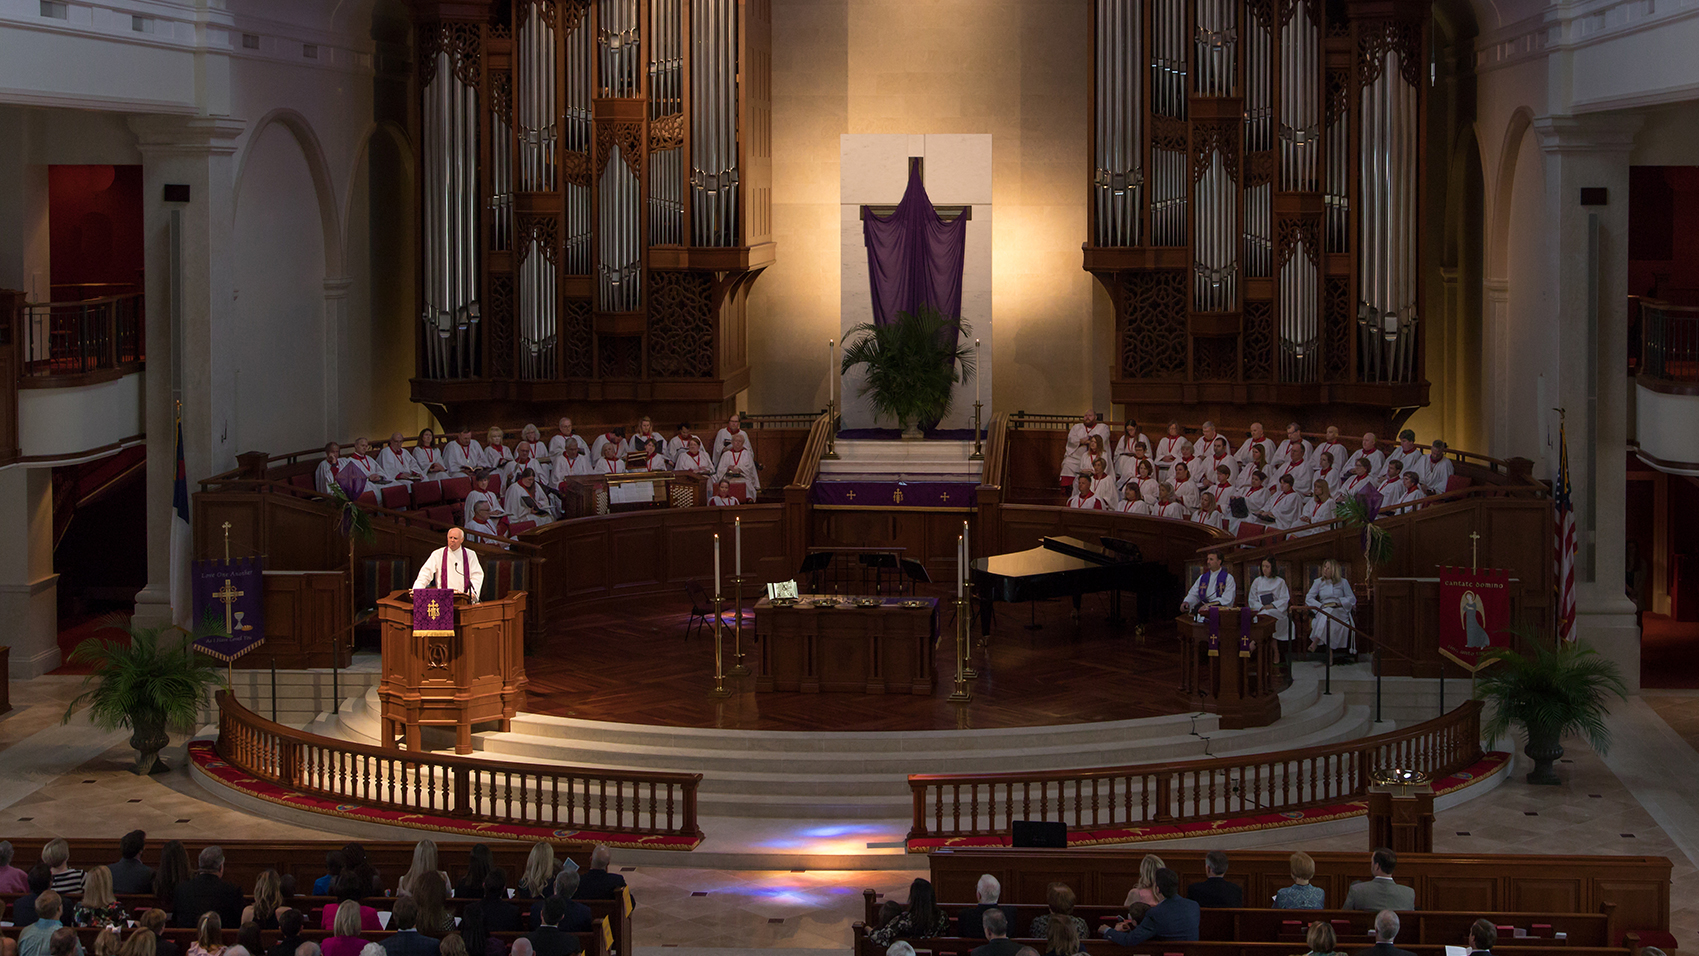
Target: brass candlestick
(831, 432)
(738, 668)
(962, 694)
(978, 454)
(720, 689)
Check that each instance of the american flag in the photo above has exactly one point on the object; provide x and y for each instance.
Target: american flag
(1563, 541)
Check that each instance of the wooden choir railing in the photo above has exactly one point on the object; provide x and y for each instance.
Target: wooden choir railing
(1189, 791)
(464, 788)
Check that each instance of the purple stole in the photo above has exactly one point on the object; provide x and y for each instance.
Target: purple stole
(465, 572)
(1214, 617)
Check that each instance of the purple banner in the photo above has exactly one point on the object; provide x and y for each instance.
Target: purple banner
(433, 612)
(914, 259)
(228, 602)
(896, 494)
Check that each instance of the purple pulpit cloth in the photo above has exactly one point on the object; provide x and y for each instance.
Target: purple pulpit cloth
(433, 612)
(896, 494)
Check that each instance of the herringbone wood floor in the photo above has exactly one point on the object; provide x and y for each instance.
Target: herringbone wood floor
(633, 663)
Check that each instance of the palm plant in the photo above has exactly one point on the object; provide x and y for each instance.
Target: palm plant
(1549, 693)
(1360, 511)
(150, 684)
(353, 523)
(913, 363)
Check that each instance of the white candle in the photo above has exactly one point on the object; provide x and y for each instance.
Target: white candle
(967, 549)
(960, 544)
(716, 564)
(831, 372)
(976, 395)
(737, 526)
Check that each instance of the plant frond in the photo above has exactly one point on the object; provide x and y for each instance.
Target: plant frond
(911, 364)
(1566, 689)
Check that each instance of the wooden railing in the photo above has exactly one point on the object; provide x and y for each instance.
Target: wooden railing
(1669, 342)
(464, 788)
(76, 338)
(1190, 791)
(995, 471)
(809, 467)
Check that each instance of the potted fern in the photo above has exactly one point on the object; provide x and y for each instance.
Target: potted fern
(912, 365)
(1548, 693)
(151, 684)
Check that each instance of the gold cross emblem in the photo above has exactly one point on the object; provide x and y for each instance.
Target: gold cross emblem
(943, 496)
(433, 609)
(228, 594)
(897, 497)
(850, 494)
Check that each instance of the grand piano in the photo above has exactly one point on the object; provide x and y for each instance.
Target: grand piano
(1068, 567)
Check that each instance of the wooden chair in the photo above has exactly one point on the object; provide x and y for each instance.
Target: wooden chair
(701, 606)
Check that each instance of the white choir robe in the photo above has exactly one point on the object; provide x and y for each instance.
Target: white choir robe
(1280, 599)
(1105, 488)
(1391, 493)
(699, 462)
(1267, 444)
(1408, 499)
(463, 460)
(1223, 494)
(609, 466)
(1127, 469)
(1203, 469)
(544, 471)
(676, 446)
(1214, 519)
(1186, 493)
(477, 495)
(1075, 447)
(557, 445)
(538, 510)
(484, 532)
(1283, 452)
(1256, 499)
(572, 467)
(1352, 485)
(1333, 478)
(1313, 512)
(325, 475)
(723, 441)
(1341, 455)
(727, 502)
(605, 439)
(424, 459)
(657, 461)
(1211, 587)
(1150, 490)
(739, 466)
(1338, 600)
(375, 477)
(1139, 507)
(1301, 480)
(1170, 450)
(1285, 507)
(394, 465)
(499, 458)
(457, 570)
(1377, 463)
(1172, 509)
(1126, 460)
(1436, 475)
(1086, 498)
(1415, 457)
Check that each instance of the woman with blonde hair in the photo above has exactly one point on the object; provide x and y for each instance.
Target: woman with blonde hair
(141, 943)
(209, 936)
(1301, 895)
(106, 942)
(1332, 594)
(424, 861)
(345, 937)
(1321, 940)
(98, 907)
(1062, 938)
(67, 881)
(268, 900)
(1144, 891)
(538, 879)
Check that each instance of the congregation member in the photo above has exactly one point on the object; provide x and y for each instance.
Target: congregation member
(493, 912)
(1174, 918)
(1332, 593)
(345, 924)
(1380, 891)
(1301, 895)
(267, 906)
(997, 941)
(289, 925)
(677, 445)
(174, 870)
(1368, 449)
(1213, 588)
(1143, 892)
(1173, 448)
(67, 880)
(1085, 496)
(1215, 890)
(1483, 936)
(349, 890)
(1074, 458)
(1294, 436)
(405, 939)
(572, 462)
(34, 938)
(986, 894)
(453, 567)
(1386, 932)
(481, 527)
(1322, 940)
(397, 463)
(12, 879)
(1132, 501)
(737, 464)
(723, 438)
(922, 919)
(428, 462)
(483, 490)
(333, 864)
(537, 880)
(1257, 440)
(1331, 444)
(690, 460)
(525, 500)
(1284, 506)
(1436, 468)
(609, 461)
(550, 938)
(599, 881)
(1166, 506)
(463, 456)
(1209, 513)
(129, 875)
(723, 497)
(1270, 598)
(207, 892)
(40, 880)
(98, 906)
(327, 475)
(367, 463)
(1059, 899)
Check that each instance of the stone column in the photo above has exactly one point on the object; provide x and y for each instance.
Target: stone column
(335, 348)
(1592, 362)
(28, 586)
(197, 152)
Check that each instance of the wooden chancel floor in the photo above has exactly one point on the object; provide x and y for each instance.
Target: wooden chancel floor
(632, 663)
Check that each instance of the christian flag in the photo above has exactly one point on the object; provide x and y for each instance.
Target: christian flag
(1563, 540)
(182, 606)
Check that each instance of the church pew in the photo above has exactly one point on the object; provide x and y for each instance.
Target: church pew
(945, 945)
(594, 942)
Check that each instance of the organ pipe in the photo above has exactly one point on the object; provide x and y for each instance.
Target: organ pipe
(1168, 58)
(666, 100)
(618, 40)
(714, 179)
(449, 119)
(1215, 240)
(1386, 254)
(1120, 115)
(535, 99)
(538, 307)
(1216, 37)
(619, 271)
(1300, 100)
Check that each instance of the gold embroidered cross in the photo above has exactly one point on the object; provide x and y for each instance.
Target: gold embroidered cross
(897, 497)
(433, 609)
(944, 496)
(228, 594)
(850, 494)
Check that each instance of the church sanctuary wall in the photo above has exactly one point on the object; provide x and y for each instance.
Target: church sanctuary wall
(1009, 69)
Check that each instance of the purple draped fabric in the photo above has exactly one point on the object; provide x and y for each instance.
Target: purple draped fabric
(914, 259)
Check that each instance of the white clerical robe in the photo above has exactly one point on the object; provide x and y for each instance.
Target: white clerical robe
(1313, 512)
(1150, 490)
(1391, 493)
(685, 461)
(1279, 599)
(605, 439)
(1341, 455)
(1204, 469)
(1104, 488)
(638, 440)
(1074, 451)
(723, 441)
(1087, 499)
(677, 446)
(395, 465)
(1170, 450)
(1267, 444)
(489, 497)
(1436, 475)
(1256, 499)
(728, 501)
(739, 466)
(1126, 459)
(463, 459)
(1212, 587)
(608, 466)
(370, 468)
(1377, 462)
(1285, 507)
(1139, 507)
(572, 466)
(498, 458)
(1284, 451)
(429, 462)
(1172, 509)
(1407, 459)
(1214, 518)
(527, 505)
(458, 570)
(485, 532)
(1299, 471)
(1186, 493)
(557, 445)
(325, 475)
(1337, 598)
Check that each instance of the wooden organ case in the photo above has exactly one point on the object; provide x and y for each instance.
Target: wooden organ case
(595, 202)
(1256, 196)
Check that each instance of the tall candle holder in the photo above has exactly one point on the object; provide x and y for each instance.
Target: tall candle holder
(738, 668)
(962, 693)
(720, 689)
(978, 452)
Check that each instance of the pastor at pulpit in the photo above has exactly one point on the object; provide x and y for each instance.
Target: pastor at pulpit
(454, 567)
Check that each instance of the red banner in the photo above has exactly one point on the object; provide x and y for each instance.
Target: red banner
(1474, 613)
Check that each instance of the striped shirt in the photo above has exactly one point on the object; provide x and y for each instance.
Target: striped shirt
(68, 883)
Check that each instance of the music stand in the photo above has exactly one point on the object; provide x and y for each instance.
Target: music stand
(914, 571)
(813, 565)
(880, 563)
(1122, 547)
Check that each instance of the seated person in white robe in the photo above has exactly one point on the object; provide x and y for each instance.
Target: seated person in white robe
(481, 491)
(737, 463)
(1259, 462)
(1209, 513)
(1103, 482)
(1185, 489)
(1224, 488)
(604, 440)
(325, 476)
(1391, 484)
(573, 462)
(455, 567)
(1270, 598)
(1085, 495)
(1333, 594)
(1356, 481)
(1284, 506)
(723, 497)
(1324, 468)
(1407, 454)
(647, 441)
(1319, 508)
(529, 435)
(498, 456)
(723, 438)
(1332, 445)
(397, 462)
(1081, 431)
(525, 457)
(525, 500)
(1436, 468)
(562, 437)
(1131, 469)
(1127, 447)
(1145, 478)
(1132, 501)
(1258, 439)
(1411, 493)
(1370, 450)
(1166, 506)
(427, 457)
(691, 460)
(1255, 494)
(1294, 436)
(676, 445)
(1205, 440)
(1217, 455)
(1214, 587)
(364, 460)
(482, 528)
(1297, 467)
(610, 463)
(1171, 449)
(463, 456)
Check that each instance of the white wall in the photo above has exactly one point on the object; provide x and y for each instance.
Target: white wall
(71, 422)
(1526, 342)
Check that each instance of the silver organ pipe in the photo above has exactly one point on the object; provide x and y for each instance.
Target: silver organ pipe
(666, 99)
(501, 172)
(577, 136)
(538, 306)
(713, 123)
(1300, 99)
(1170, 168)
(1299, 310)
(1259, 138)
(1386, 284)
(449, 152)
(1120, 116)
(1259, 239)
(618, 39)
(619, 273)
(1337, 197)
(535, 101)
(1215, 243)
(1216, 37)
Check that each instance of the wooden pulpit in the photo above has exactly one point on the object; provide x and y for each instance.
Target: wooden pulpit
(1242, 691)
(1401, 818)
(473, 676)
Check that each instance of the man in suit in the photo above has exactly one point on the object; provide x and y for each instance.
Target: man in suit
(1386, 930)
(550, 939)
(406, 940)
(969, 921)
(997, 941)
(129, 874)
(207, 891)
(289, 928)
(1172, 918)
(577, 916)
(1483, 936)
(1216, 891)
(1381, 893)
(500, 916)
(596, 883)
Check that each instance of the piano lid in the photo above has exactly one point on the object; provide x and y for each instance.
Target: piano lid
(1054, 555)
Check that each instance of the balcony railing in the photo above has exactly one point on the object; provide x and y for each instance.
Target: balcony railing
(76, 338)
(1669, 342)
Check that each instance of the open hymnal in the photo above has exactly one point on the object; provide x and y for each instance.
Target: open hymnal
(780, 590)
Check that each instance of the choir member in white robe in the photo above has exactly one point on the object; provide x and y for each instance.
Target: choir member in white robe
(1391, 484)
(1145, 478)
(482, 528)
(606, 439)
(1258, 438)
(1185, 489)
(691, 459)
(1127, 454)
(1205, 440)
(454, 567)
(1297, 467)
(1285, 506)
(1255, 494)
(1072, 452)
(1258, 463)
(525, 500)
(1357, 481)
(1085, 497)
(1209, 513)
(524, 458)
(498, 456)
(1436, 469)
(1369, 450)
(676, 445)
(326, 474)
(1215, 456)
(1407, 454)
(1166, 506)
(1103, 482)
(1132, 469)
(364, 460)
(1172, 448)
(1269, 596)
(1332, 445)
(723, 437)
(1294, 436)
(737, 463)
(1332, 593)
(1319, 507)
(1324, 467)
(1410, 494)
(481, 491)
(1132, 501)
(463, 456)
(648, 442)
(1224, 488)
(397, 462)
(1214, 586)
(610, 463)
(562, 437)
(723, 497)
(427, 457)
(529, 435)
(572, 463)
